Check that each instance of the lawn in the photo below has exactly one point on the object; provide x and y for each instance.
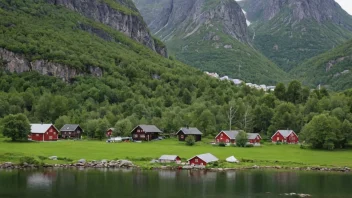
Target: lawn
(267, 154)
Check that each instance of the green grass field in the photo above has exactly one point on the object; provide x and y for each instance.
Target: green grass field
(141, 153)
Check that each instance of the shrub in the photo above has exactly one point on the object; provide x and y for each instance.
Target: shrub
(222, 144)
(329, 146)
(278, 143)
(28, 160)
(190, 141)
(241, 139)
(249, 145)
(262, 141)
(65, 159)
(42, 157)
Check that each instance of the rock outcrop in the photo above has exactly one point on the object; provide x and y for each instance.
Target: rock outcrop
(171, 18)
(318, 10)
(123, 17)
(17, 63)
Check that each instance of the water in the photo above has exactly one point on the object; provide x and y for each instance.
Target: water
(173, 184)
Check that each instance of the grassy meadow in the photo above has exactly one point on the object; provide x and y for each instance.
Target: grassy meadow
(142, 153)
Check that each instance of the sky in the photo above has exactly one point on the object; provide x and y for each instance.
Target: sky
(346, 5)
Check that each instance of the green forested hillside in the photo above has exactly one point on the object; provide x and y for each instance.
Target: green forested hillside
(139, 86)
(239, 61)
(331, 69)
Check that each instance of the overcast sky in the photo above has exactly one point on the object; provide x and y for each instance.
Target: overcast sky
(346, 5)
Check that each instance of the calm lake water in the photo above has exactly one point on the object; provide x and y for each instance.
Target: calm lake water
(162, 184)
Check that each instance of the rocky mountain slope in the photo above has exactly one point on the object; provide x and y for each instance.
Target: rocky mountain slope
(289, 32)
(332, 69)
(121, 15)
(211, 35)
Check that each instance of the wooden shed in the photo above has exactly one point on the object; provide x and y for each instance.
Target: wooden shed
(186, 131)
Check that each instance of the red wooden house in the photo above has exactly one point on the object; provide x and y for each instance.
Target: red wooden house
(230, 137)
(202, 159)
(288, 136)
(145, 133)
(109, 132)
(44, 132)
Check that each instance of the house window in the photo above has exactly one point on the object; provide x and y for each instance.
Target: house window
(277, 138)
(69, 133)
(196, 160)
(182, 136)
(54, 133)
(36, 134)
(135, 136)
(221, 135)
(142, 136)
(227, 140)
(50, 137)
(217, 140)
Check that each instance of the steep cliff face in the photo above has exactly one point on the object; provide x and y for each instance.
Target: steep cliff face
(290, 32)
(317, 10)
(209, 34)
(121, 15)
(182, 18)
(18, 63)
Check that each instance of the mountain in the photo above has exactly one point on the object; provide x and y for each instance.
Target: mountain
(290, 32)
(332, 69)
(61, 65)
(211, 35)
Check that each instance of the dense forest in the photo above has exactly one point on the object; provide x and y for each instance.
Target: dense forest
(139, 86)
(173, 102)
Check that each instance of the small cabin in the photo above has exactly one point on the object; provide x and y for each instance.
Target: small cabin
(288, 136)
(71, 131)
(202, 160)
(109, 132)
(170, 159)
(229, 137)
(186, 131)
(145, 133)
(44, 132)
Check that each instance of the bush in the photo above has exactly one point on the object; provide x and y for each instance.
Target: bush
(222, 144)
(190, 141)
(329, 146)
(249, 145)
(241, 139)
(42, 157)
(262, 141)
(278, 143)
(302, 146)
(28, 160)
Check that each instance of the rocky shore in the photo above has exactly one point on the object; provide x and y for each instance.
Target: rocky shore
(128, 164)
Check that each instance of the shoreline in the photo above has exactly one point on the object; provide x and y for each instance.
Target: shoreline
(125, 164)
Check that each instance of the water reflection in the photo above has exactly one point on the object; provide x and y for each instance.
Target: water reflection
(41, 179)
(172, 184)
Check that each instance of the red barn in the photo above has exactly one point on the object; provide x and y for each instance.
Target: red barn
(44, 132)
(202, 159)
(109, 132)
(288, 136)
(230, 137)
(145, 133)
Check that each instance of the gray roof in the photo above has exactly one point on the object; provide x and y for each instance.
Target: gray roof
(40, 128)
(190, 131)
(285, 133)
(207, 157)
(69, 127)
(231, 134)
(168, 157)
(252, 135)
(148, 128)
